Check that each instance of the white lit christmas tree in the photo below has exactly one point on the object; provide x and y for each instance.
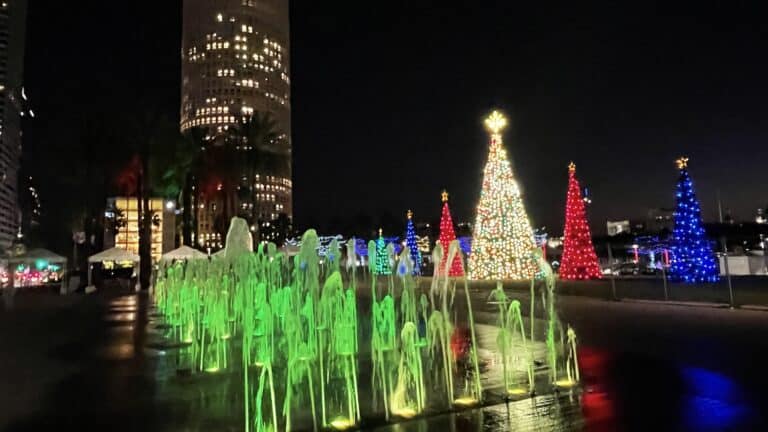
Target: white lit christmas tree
(502, 241)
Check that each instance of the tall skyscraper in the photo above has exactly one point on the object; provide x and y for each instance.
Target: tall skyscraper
(235, 62)
(13, 17)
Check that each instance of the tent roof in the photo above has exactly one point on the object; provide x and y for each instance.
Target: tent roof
(184, 252)
(38, 254)
(290, 250)
(114, 254)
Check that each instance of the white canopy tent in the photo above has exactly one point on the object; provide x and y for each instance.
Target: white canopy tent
(32, 255)
(290, 250)
(183, 253)
(115, 255)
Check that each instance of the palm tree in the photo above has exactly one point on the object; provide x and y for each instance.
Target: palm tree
(152, 136)
(174, 170)
(231, 162)
(115, 222)
(221, 168)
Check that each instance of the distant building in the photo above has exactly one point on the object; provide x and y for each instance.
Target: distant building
(13, 17)
(761, 217)
(660, 219)
(618, 227)
(235, 63)
(122, 227)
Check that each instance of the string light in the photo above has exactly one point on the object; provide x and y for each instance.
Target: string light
(382, 256)
(412, 244)
(447, 235)
(692, 257)
(579, 258)
(503, 239)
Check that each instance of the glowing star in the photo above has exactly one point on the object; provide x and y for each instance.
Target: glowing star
(682, 163)
(496, 122)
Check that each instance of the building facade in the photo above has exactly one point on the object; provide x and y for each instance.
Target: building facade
(235, 64)
(618, 227)
(13, 17)
(122, 227)
(660, 219)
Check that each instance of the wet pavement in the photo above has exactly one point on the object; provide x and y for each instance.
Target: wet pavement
(87, 362)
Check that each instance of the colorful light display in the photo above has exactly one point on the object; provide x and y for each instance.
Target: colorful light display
(447, 235)
(503, 239)
(382, 256)
(412, 244)
(579, 259)
(692, 257)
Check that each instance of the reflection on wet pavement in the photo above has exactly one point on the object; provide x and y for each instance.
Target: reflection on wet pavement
(714, 402)
(124, 383)
(618, 390)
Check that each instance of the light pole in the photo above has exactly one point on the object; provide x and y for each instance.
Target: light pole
(725, 252)
(613, 277)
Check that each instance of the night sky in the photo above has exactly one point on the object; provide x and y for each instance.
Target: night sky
(388, 99)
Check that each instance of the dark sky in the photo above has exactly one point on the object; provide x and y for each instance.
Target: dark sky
(388, 98)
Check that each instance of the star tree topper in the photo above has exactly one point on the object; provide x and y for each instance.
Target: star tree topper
(496, 122)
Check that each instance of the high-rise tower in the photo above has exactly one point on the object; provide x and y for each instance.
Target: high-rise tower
(235, 63)
(13, 17)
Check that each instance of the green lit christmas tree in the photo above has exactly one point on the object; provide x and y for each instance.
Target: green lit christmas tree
(382, 256)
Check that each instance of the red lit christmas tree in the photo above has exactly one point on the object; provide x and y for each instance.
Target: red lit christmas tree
(447, 235)
(579, 258)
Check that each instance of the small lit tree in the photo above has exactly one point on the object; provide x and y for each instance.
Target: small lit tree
(382, 256)
(692, 257)
(579, 259)
(447, 235)
(412, 244)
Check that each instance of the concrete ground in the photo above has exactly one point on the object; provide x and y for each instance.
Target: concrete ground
(747, 290)
(82, 362)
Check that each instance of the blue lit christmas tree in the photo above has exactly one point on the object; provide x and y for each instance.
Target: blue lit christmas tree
(382, 256)
(412, 245)
(692, 257)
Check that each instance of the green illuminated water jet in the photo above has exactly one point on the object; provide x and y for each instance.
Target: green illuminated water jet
(289, 328)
